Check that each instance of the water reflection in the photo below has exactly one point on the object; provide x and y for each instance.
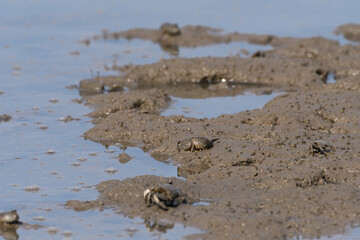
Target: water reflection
(9, 231)
(216, 106)
(205, 89)
(161, 225)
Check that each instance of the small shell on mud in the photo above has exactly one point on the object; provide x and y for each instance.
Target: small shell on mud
(195, 143)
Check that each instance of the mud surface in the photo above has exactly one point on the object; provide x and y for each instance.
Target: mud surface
(350, 31)
(262, 179)
(292, 64)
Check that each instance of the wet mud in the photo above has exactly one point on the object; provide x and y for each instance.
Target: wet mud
(350, 31)
(266, 176)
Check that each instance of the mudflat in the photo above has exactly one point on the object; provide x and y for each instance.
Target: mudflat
(288, 169)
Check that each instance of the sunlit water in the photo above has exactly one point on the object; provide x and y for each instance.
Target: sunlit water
(40, 55)
(214, 107)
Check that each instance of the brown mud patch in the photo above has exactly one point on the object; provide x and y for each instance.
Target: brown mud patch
(261, 178)
(350, 31)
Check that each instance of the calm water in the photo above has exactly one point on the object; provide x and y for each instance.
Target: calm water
(41, 56)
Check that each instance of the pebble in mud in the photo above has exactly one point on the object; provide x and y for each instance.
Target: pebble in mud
(32, 188)
(195, 143)
(111, 170)
(43, 127)
(9, 217)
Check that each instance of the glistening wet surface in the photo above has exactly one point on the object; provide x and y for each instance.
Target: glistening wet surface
(41, 56)
(216, 106)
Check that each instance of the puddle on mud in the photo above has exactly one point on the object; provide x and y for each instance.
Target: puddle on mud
(41, 57)
(214, 107)
(202, 203)
(349, 233)
(330, 78)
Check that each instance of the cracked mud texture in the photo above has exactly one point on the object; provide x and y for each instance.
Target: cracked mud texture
(260, 178)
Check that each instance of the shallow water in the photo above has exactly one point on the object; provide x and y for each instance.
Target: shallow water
(41, 56)
(216, 106)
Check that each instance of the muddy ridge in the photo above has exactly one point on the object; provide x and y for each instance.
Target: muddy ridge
(262, 179)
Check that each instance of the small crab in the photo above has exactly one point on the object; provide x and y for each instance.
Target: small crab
(170, 29)
(320, 147)
(195, 143)
(9, 217)
(164, 196)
